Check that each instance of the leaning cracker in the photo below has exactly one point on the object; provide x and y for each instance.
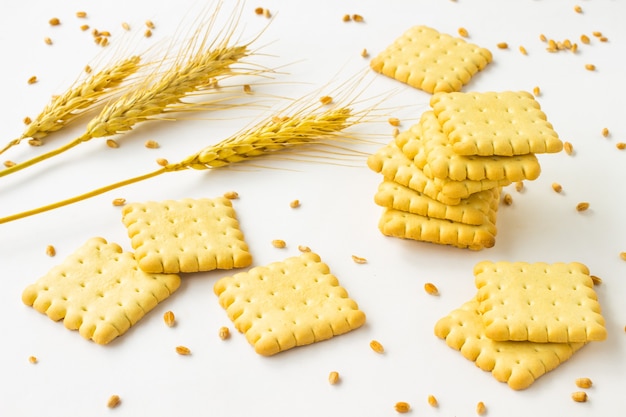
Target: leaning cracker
(99, 291)
(443, 162)
(518, 364)
(431, 61)
(538, 302)
(188, 235)
(471, 210)
(495, 123)
(395, 166)
(405, 225)
(286, 304)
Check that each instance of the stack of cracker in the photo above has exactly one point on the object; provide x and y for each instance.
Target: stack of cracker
(525, 320)
(443, 176)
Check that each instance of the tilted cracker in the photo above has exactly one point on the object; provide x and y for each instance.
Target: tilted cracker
(393, 164)
(286, 304)
(519, 364)
(538, 302)
(431, 61)
(99, 291)
(471, 210)
(443, 162)
(402, 224)
(187, 235)
(495, 123)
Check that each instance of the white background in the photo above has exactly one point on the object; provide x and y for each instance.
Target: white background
(312, 46)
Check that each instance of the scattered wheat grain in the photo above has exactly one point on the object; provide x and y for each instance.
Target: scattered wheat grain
(364, 53)
(582, 206)
(357, 18)
(162, 162)
(578, 9)
(258, 10)
(585, 39)
(151, 144)
(603, 39)
(183, 350)
(294, 204)
(47, 40)
(81, 14)
(267, 13)
(54, 21)
(402, 407)
(333, 377)
(113, 401)
(523, 50)
(147, 33)
(33, 359)
(480, 408)
(303, 248)
(543, 38)
(579, 396)
(557, 187)
(35, 142)
(536, 91)
(346, 18)
(431, 289)
(568, 148)
(32, 80)
(463, 32)
(224, 333)
(125, 26)
(597, 34)
(278, 243)
(169, 318)
(112, 143)
(326, 100)
(377, 346)
(8, 163)
(84, 27)
(105, 33)
(27, 120)
(622, 256)
(502, 45)
(231, 195)
(432, 401)
(247, 89)
(519, 186)
(584, 383)
(150, 24)
(590, 67)
(359, 260)
(574, 48)
(394, 121)
(605, 132)
(50, 250)
(620, 145)
(596, 280)
(395, 132)
(118, 202)
(507, 199)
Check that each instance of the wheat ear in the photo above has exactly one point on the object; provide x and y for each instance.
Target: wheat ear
(195, 70)
(275, 134)
(78, 99)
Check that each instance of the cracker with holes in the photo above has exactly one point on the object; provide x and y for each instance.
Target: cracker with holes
(99, 291)
(402, 224)
(187, 235)
(473, 210)
(441, 161)
(519, 364)
(538, 302)
(431, 61)
(394, 165)
(495, 123)
(290, 303)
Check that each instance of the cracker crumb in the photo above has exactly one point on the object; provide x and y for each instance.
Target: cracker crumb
(224, 333)
(480, 408)
(294, 204)
(118, 202)
(33, 359)
(377, 346)
(231, 195)
(278, 243)
(151, 144)
(582, 206)
(303, 248)
(579, 396)
(431, 289)
(402, 407)
(169, 318)
(54, 21)
(463, 32)
(432, 401)
(557, 187)
(358, 259)
(584, 383)
(503, 45)
(114, 401)
(112, 143)
(183, 350)
(50, 250)
(333, 377)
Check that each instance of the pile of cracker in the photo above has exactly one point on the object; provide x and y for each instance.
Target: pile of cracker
(102, 290)
(442, 178)
(525, 319)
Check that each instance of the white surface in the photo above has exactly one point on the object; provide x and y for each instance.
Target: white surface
(338, 218)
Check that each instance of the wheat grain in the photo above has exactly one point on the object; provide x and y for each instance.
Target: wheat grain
(78, 99)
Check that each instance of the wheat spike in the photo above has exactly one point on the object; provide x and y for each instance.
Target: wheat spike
(194, 70)
(275, 134)
(78, 99)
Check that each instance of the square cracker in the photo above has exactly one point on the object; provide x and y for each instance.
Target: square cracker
(538, 302)
(99, 291)
(286, 304)
(495, 123)
(471, 210)
(431, 61)
(394, 165)
(406, 225)
(518, 364)
(443, 162)
(188, 235)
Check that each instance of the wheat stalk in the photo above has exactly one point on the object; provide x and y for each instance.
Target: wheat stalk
(195, 70)
(307, 125)
(76, 100)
